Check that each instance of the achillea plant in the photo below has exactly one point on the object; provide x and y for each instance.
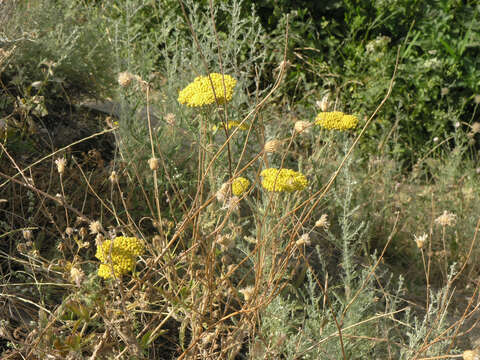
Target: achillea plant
(283, 180)
(240, 185)
(336, 120)
(118, 255)
(200, 91)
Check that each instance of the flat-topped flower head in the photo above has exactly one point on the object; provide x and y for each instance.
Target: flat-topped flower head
(230, 125)
(336, 120)
(283, 180)
(119, 253)
(240, 185)
(200, 92)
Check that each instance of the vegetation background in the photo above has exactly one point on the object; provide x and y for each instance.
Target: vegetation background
(375, 258)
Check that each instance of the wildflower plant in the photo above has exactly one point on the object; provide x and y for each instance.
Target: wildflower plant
(283, 180)
(336, 120)
(207, 90)
(118, 256)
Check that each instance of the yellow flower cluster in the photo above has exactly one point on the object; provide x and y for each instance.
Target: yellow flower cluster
(283, 180)
(119, 253)
(336, 120)
(230, 125)
(240, 185)
(200, 92)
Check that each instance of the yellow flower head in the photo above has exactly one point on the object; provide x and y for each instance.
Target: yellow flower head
(119, 253)
(230, 125)
(200, 92)
(240, 185)
(283, 180)
(336, 120)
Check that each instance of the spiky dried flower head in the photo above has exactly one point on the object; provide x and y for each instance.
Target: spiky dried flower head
(69, 231)
(446, 219)
(95, 227)
(125, 78)
(61, 162)
(200, 91)
(471, 355)
(240, 185)
(247, 293)
(336, 120)
(283, 180)
(420, 240)
(118, 256)
(272, 146)
(323, 222)
(303, 240)
(302, 126)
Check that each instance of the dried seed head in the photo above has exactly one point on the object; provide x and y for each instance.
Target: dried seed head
(82, 232)
(272, 146)
(302, 126)
(475, 127)
(420, 240)
(113, 177)
(27, 234)
(95, 227)
(248, 292)
(323, 222)
(125, 78)
(233, 203)
(76, 275)
(476, 99)
(446, 219)
(323, 104)
(69, 231)
(304, 240)
(153, 163)
(61, 162)
(444, 91)
(170, 119)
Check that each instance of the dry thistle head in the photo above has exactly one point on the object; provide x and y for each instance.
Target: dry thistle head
(323, 222)
(302, 126)
(233, 203)
(420, 240)
(272, 146)
(95, 227)
(446, 219)
(61, 162)
(125, 78)
(153, 163)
